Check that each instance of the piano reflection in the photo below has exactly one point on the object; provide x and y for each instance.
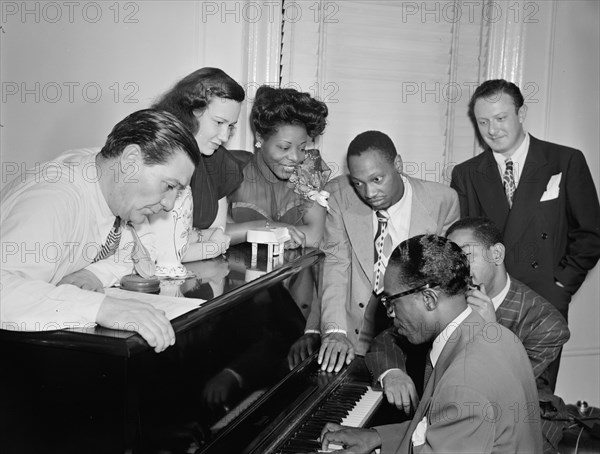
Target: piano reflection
(224, 387)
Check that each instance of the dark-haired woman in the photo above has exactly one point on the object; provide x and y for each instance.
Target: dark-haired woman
(285, 122)
(208, 102)
(282, 179)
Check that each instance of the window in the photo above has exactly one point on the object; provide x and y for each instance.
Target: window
(406, 68)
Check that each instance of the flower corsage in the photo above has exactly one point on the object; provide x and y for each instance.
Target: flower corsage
(310, 177)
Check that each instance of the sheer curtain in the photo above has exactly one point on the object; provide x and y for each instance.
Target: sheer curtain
(405, 68)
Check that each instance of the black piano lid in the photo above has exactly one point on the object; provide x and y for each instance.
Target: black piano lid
(108, 391)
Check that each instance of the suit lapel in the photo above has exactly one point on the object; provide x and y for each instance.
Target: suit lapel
(358, 219)
(467, 330)
(490, 191)
(420, 219)
(532, 185)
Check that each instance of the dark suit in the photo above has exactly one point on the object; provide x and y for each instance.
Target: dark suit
(557, 239)
(481, 398)
(537, 324)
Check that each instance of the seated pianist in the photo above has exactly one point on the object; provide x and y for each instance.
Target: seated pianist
(497, 296)
(476, 391)
(76, 208)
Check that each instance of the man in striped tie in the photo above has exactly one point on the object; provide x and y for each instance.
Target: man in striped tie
(541, 195)
(63, 221)
(372, 210)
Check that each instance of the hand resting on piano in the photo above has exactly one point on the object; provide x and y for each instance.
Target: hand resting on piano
(336, 349)
(305, 346)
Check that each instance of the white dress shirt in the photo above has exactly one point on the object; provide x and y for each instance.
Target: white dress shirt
(54, 221)
(518, 159)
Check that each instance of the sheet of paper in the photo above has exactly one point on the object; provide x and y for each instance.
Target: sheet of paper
(172, 305)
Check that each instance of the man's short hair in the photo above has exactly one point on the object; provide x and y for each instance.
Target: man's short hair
(483, 229)
(431, 259)
(372, 140)
(159, 135)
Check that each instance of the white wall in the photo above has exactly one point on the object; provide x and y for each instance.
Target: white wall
(69, 73)
(562, 68)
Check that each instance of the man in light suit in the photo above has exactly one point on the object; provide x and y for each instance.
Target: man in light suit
(497, 297)
(480, 396)
(551, 228)
(347, 301)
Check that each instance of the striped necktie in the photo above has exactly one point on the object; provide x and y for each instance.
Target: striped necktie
(112, 241)
(509, 182)
(379, 268)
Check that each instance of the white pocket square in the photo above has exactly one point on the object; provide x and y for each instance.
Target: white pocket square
(418, 436)
(552, 188)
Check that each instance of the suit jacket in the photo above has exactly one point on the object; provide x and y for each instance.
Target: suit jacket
(481, 398)
(348, 273)
(537, 324)
(557, 239)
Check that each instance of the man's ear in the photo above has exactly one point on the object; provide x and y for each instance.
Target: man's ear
(522, 113)
(398, 163)
(498, 252)
(430, 298)
(131, 158)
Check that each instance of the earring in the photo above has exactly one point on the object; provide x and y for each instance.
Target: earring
(258, 145)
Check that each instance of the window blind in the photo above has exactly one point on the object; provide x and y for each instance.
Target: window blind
(405, 68)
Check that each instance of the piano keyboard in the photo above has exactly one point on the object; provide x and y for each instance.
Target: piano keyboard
(351, 404)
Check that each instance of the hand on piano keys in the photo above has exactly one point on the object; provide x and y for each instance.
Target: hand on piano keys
(350, 405)
(336, 437)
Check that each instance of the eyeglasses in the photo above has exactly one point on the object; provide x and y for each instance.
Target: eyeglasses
(388, 301)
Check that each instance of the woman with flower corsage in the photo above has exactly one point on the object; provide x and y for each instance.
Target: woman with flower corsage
(283, 180)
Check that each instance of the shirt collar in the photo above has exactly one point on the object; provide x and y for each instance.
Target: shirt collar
(497, 300)
(440, 341)
(518, 158)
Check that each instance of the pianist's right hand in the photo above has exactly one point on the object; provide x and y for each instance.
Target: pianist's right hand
(335, 350)
(400, 390)
(355, 441)
(143, 318)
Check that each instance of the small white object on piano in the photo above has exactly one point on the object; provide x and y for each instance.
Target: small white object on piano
(274, 238)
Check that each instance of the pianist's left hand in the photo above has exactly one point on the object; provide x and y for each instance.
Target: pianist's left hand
(84, 279)
(355, 441)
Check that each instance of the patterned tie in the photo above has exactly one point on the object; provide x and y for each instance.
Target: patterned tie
(428, 369)
(379, 268)
(112, 241)
(509, 182)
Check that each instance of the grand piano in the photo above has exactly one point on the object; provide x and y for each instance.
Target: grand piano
(224, 387)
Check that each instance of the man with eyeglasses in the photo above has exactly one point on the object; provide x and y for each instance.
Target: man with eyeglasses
(497, 297)
(481, 394)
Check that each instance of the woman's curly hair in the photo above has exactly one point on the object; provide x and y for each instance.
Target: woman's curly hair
(274, 107)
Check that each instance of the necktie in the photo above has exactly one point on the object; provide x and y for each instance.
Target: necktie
(382, 230)
(428, 369)
(112, 241)
(509, 182)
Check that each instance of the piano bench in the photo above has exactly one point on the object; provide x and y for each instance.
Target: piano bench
(578, 440)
